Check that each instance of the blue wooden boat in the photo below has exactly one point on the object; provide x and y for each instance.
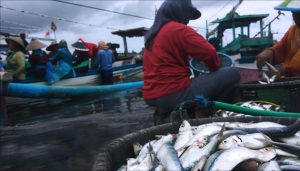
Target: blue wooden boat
(44, 91)
(84, 84)
(89, 78)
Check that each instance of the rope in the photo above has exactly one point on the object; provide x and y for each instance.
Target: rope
(215, 14)
(102, 9)
(19, 24)
(17, 28)
(52, 17)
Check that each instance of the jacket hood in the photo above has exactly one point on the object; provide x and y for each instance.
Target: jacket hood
(181, 11)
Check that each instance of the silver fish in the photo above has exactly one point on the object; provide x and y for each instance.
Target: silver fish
(280, 152)
(184, 135)
(289, 161)
(254, 125)
(132, 162)
(289, 168)
(199, 166)
(194, 153)
(168, 158)
(159, 168)
(293, 140)
(145, 164)
(199, 143)
(272, 68)
(156, 144)
(252, 141)
(228, 159)
(279, 132)
(269, 166)
(204, 131)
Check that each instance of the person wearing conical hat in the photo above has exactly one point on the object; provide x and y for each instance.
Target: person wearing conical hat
(52, 48)
(23, 37)
(81, 57)
(64, 60)
(15, 62)
(38, 58)
(285, 54)
(104, 60)
(169, 44)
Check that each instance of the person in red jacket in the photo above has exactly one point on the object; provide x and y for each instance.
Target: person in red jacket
(38, 59)
(169, 44)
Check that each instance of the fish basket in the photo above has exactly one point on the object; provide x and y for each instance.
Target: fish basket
(116, 153)
(200, 68)
(284, 92)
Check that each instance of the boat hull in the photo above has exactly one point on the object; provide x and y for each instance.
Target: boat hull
(90, 78)
(45, 91)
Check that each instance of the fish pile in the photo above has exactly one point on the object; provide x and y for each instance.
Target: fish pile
(258, 105)
(220, 146)
(266, 79)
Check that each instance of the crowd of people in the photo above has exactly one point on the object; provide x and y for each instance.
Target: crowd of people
(58, 61)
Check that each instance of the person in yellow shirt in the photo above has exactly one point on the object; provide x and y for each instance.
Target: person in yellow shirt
(285, 54)
(15, 62)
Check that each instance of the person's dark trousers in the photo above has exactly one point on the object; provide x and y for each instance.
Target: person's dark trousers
(107, 76)
(219, 86)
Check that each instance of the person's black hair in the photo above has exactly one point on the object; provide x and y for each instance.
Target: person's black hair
(296, 18)
(171, 10)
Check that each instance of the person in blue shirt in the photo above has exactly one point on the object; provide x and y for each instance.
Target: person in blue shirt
(104, 60)
(1, 65)
(52, 48)
(64, 63)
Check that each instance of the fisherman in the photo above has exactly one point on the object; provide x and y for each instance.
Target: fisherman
(38, 59)
(15, 62)
(168, 46)
(285, 54)
(113, 47)
(92, 52)
(23, 37)
(53, 47)
(81, 57)
(64, 63)
(104, 61)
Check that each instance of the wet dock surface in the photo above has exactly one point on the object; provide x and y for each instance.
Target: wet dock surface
(67, 134)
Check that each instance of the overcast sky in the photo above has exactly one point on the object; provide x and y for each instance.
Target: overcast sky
(106, 22)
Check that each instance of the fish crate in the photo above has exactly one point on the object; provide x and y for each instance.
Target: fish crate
(117, 151)
(284, 92)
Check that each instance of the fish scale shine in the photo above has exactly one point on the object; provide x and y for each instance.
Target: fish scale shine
(228, 159)
(184, 135)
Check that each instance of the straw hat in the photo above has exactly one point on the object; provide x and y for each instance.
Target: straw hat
(289, 5)
(102, 45)
(35, 44)
(17, 40)
(80, 46)
(52, 46)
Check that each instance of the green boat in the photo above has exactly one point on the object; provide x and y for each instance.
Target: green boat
(243, 44)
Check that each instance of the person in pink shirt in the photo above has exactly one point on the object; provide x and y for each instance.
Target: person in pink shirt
(169, 44)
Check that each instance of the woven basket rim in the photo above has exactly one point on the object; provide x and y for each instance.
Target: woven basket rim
(108, 162)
